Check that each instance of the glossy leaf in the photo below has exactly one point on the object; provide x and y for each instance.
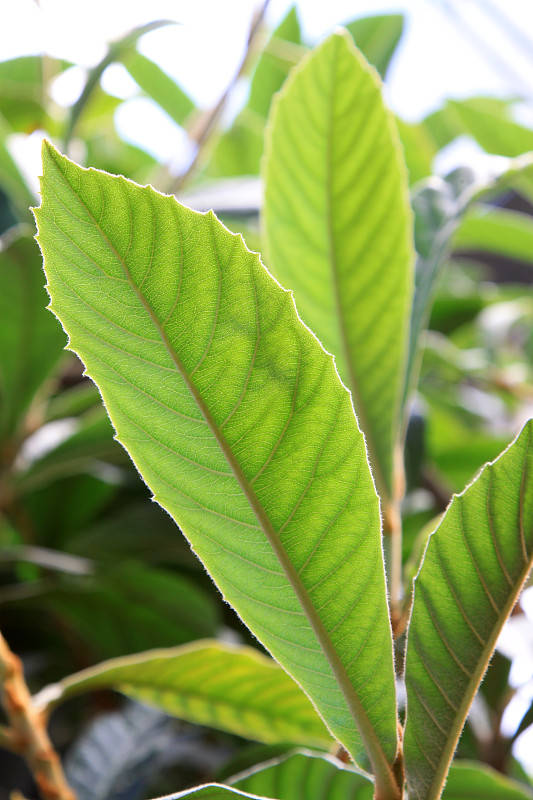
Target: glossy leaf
(337, 224)
(496, 230)
(236, 689)
(378, 37)
(475, 565)
(30, 341)
(305, 776)
(236, 419)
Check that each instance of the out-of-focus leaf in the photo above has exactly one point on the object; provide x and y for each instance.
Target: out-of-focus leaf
(131, 608)
(118, 754)
(235, 689)
(274, 64)
(494, 132)
(31, 342)
(140, 531)
(159, 86)
(469, 780)
(12, 182)
(337, 224)
(239, 149)
(305, 776)
(73, 402)
(446, 124)
(419, 150)
(115, 52)
(457, 448)
(23, 90)
(105, 150)
(60, 509)
(496, 230)
(249, 442)
(92, 442)
(378, 37)
(473, 570)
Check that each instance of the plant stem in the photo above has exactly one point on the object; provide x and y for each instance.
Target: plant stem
(392, 529)
(206, 124)
(27, 734)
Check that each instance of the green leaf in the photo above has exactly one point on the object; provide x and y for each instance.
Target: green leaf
(12, 182)
(337, 224)
(115, 52)
(79, 453)
(239, 149)
(471, 781)
(235, 689)
(496, 230)
(23, 85)
(159, 86)
(211, 791)
(30, 341)
(275, 63)
(235, 417)
(494, 132)
(419, 150)
(475, 565)
(131, 607)
(378, 37)
(304, 776)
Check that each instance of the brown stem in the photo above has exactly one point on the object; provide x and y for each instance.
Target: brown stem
(206, 123)
(27, 734)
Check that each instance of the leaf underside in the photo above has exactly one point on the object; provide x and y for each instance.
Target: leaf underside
(475, 565)
(235, 417)
(236, 689)
(337, 226)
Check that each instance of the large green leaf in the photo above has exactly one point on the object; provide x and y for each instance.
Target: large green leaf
(378, 37)
(304, 776)
(473, 570)
(337, 223)
(236, 419)
(30, 341)
(236, 689)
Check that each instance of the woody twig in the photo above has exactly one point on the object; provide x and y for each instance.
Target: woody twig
(26, 733)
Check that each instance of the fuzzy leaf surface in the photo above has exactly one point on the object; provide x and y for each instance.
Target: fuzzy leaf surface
(235, 417)
(305, 776)
(337, 223)
(236, 689)
(475, 565)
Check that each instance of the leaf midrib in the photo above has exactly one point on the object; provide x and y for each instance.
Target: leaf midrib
(382, 768)
(377, 472)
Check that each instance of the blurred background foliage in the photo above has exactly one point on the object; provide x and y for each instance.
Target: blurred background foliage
(91, 569)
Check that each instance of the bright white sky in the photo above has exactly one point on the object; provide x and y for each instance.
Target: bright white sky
(437, 59)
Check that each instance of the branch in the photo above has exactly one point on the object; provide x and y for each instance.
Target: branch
(27, 734)
(206, 124)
